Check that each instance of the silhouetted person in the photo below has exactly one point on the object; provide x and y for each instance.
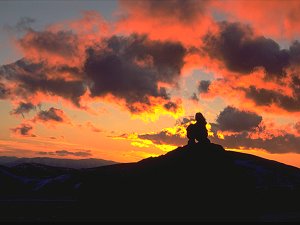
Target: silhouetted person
(191, 134)
(198, 130)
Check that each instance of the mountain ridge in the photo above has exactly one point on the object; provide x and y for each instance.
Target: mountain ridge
(200, 182)
(11, 161)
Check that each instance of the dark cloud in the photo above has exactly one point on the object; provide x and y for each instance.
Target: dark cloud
(131, 67)
(62, 43)
(185, 120)
(277, 144)
(266, 97)
(170, 138)
(295, 86)
(71, 90)
(194, 97)
(24, 130)
(67, 153)
(204, 86)
(242, 52)
(164, 137)
(214, 127)
(4, 93)
(295, 52)
(22, 67)
(186, 11)
(232, 119)
(72, 70)
(23, 108)
(32, 78)
(52, 114)
(171, 106)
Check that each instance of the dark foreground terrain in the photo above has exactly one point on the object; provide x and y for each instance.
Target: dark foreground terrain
(199, 183)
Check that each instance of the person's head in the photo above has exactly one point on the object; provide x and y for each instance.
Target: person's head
(200, 118)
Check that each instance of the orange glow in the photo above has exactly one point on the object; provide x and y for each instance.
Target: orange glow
(152, 113)
(143, 143)
(166, 148)
(208, 127)
(220, 135)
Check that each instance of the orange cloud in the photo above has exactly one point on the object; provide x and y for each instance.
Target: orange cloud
(141, 142)
(275, 18)
(59, 47)
(184, 21)
(136, 62)
(65, 42)
(251, 71)
(165, 140)
(249, 133)
(135, 70)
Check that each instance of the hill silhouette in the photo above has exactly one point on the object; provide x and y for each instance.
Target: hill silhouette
(11, 161)
(199, 182)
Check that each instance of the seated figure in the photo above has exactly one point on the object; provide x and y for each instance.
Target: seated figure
(198, 130)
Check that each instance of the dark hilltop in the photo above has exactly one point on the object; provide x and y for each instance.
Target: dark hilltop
(197, 182)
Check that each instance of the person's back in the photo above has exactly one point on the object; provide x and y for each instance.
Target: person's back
(200, 128)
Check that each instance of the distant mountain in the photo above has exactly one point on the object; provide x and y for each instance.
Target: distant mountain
(67, 163)
(202, 182)
(35, 170)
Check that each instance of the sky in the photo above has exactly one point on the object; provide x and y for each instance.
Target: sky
(121, 80)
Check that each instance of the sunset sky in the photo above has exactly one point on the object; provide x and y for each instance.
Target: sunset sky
(121, 80)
